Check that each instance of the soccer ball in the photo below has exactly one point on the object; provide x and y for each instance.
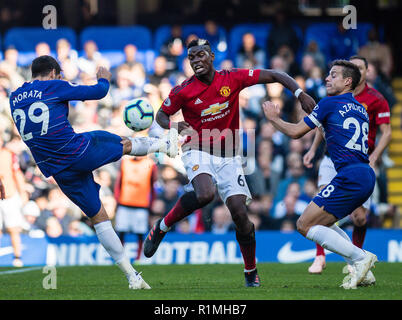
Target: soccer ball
(138, 114)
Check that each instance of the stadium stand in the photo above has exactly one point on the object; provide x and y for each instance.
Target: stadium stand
(112, 40)
(104, 114)
(25, 39)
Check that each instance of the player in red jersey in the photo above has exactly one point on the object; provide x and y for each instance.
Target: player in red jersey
(209, 101)
(379, 118)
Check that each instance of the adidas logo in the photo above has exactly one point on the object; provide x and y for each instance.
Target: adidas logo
(198, 101)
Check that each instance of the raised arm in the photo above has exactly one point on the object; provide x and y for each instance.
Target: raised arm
(292, 130)
(69, 91)
(270, 75)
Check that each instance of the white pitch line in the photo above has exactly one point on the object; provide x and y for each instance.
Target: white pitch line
(20, 270)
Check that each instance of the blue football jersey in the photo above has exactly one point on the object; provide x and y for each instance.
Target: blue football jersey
(345, 123)
(40, 113)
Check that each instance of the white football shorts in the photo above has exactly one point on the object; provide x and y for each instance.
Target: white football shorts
(134, 220)
(11, 212)
(327, 172)
(227, 173)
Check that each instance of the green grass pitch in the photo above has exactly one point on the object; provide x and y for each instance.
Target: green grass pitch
(200, 282)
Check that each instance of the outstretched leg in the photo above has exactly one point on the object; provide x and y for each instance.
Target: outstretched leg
(112, 244)
(204, 192)
(315, 225)
(141, 146)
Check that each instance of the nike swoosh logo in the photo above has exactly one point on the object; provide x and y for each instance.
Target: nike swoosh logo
(287, 255)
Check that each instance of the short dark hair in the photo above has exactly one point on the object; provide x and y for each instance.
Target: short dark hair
(43, 65)
(199, 42)
(360, 58)
(350, 70)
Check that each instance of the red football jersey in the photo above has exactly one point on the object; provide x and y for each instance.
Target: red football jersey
(378, 110)
(211, 107)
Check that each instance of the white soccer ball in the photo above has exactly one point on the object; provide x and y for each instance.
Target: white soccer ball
(138, 114)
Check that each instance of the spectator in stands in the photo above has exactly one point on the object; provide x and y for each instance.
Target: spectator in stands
(288, 221)
(176, 32)
(138, 78)
(134, 192)
(286, 53)
(59, 210)
(378, 53)
(382, 84)
(264, 160)
(293, 189)
(53, 227)
(226, 64)
(31, 212)
(315, 85)
(88, 62)
(216, 38)
(295, 173)
(314, 51)
(221, 220)
(307, 64)
(170, 193)
(164, 89)
(187, 70)
(183, 226)
(64, 51)
(123, 91)
(16, 196)
(173, 48)
(9, 17)
(250, 54)
(130, 55)
(160, 71)
(278, 63)
(282, 33)
(78, 228)
(158, 210)
(42, 49)
(343, 43)
(9, 69)
(267, 221)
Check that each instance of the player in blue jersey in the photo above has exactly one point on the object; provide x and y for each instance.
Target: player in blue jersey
(40, 110)
(345, 125)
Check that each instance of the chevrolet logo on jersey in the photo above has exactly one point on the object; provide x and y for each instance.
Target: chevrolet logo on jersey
(214, 109)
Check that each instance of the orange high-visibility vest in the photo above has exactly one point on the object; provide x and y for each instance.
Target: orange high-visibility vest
(136, 184)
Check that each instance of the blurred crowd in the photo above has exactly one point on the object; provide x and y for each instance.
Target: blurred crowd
(280, 184)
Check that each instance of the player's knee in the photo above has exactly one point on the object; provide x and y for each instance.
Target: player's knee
(127, 146)
(359, 217)
(301, 226)
(205, 197)
(360, 221)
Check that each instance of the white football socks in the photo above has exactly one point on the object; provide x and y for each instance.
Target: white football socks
(141, 146)
(343, 234)
(163, 226)
(330, 239)
(112, 244)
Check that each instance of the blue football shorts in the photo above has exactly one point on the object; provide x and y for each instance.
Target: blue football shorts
(77, 181)
(348, 190)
